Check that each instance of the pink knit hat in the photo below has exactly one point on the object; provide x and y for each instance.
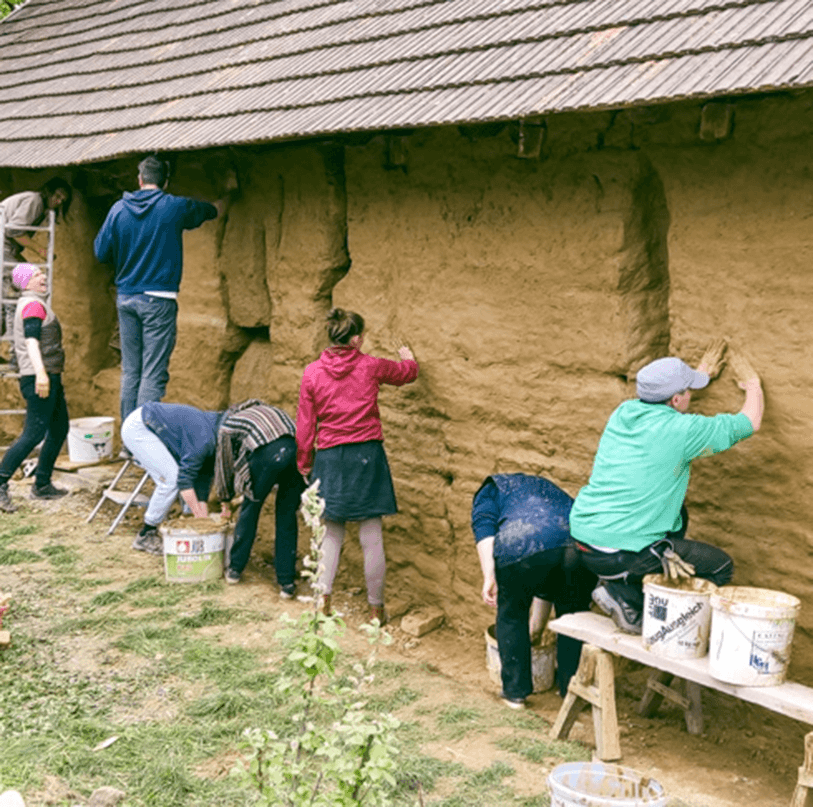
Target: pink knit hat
(22, 273)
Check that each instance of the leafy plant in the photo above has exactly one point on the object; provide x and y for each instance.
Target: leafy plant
(332, 752)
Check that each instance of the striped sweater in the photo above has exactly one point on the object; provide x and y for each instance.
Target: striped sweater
(245, 427)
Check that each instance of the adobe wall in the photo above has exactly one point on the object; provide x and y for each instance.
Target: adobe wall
(529, 290)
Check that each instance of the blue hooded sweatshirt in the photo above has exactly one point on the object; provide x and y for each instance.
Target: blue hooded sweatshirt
(525, 514)
(142, 237)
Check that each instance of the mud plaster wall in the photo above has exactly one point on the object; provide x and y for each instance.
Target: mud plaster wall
(529, 290)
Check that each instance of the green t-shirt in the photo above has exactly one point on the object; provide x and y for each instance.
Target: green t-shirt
(641, 472)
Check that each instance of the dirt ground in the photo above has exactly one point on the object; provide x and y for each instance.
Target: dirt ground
(746, 756)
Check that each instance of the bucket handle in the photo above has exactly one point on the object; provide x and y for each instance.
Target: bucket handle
(776, 655)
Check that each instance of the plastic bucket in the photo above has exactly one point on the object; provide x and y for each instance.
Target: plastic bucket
(677, 616)
(193, 553)
(595, 784)
(90, 439)
(751, 634)
(542, 660)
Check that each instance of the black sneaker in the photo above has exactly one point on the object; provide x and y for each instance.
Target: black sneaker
(625, 617)
(6, 505)
(287, 592)
(48, 491)
(149, 541)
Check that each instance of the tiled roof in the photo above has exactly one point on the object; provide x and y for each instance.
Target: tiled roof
(87, 80)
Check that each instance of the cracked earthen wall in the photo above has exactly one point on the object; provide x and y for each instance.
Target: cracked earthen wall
(529, 289)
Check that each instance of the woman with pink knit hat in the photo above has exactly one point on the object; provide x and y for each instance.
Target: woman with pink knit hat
(37, 340)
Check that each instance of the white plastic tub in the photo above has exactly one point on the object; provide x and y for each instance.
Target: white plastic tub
(90, 439)
(596, 784)
(677, 616)
(751, 635)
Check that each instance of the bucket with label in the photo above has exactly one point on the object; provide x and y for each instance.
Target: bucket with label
(677, 616)
(193, 550)
(597, 784)
(751, 635)
(543, 660)
(90, 439)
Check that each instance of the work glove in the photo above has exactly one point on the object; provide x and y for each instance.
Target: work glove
(712, 361)
(674, 567)
(743, 369)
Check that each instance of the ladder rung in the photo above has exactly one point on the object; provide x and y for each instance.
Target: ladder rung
(12, 411)
(121, 496)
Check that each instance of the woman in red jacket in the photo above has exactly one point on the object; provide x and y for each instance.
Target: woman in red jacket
(338, 416)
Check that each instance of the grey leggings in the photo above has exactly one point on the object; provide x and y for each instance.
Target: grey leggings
(372, 544)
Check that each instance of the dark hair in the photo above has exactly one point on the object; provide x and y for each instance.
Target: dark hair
(153, 171)
(51, 187)
(343, 325)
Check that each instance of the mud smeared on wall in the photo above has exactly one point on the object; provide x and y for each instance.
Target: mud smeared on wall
(530, 291)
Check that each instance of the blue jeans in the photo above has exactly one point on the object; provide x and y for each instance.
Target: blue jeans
(271, 464)
(44, 417)
(147, 326)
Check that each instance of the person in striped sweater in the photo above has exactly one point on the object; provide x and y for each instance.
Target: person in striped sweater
(256, 450)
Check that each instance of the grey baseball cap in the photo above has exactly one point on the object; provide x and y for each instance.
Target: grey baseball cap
(661, 379)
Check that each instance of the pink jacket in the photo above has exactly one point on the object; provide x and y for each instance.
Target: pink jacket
(338, 399)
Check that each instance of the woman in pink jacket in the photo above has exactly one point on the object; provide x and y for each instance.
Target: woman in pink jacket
(338, 417)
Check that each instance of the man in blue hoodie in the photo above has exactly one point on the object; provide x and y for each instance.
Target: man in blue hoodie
(142, 237)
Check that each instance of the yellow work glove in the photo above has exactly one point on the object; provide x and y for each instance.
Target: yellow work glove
(674, 567)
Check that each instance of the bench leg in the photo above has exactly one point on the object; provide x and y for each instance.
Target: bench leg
(653, 696)
(593, 683)
(658, 687)
(694, 713)
(801, 795)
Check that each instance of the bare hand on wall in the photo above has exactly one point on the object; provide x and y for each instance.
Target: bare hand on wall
(404, 353)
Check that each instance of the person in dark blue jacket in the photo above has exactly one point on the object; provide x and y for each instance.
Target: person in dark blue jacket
(142, 237)
(520, 525)
(176, 445)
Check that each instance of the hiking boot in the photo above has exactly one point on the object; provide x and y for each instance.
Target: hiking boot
(231, 577)
(148, 540)
(287, 592)
(6, 505)
(623, 615)
(48, 491)
(377, 612)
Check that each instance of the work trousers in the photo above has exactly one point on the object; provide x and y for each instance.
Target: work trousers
(627, 570)
(269, 465)
(554, 575)
(44, 418)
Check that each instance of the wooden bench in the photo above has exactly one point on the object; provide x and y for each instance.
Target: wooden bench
(594, 684)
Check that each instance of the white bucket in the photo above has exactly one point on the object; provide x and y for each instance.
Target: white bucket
(596, 784)
(193, 553)
(751, 634)
(677, 616)
(90, 439)
(543, 658)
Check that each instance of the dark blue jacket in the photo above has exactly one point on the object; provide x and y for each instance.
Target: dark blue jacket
(190, 435)
(142, 237)
(525, 514)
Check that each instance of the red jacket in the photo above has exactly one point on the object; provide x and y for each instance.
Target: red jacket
(338, 399)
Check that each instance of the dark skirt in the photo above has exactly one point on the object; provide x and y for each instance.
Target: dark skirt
(355, 481)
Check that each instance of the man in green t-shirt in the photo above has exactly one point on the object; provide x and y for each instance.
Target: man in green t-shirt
(629, 520)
